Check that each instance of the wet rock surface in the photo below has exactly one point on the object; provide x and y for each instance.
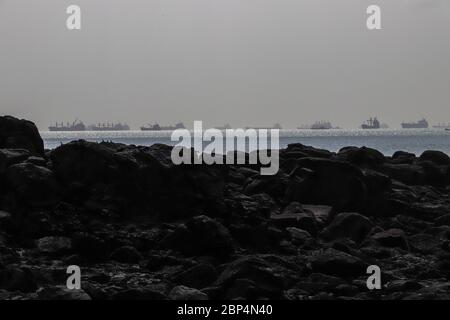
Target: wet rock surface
(140, 227)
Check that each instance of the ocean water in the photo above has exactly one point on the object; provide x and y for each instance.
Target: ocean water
(385, 140)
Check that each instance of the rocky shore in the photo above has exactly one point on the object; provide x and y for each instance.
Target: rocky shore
(140, 227)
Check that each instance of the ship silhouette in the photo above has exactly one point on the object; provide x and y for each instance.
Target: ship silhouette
(372, 123)
(445, 126)
(275, 126)
(421, 124)
(109, 127)
(77, 125)
(157, 127)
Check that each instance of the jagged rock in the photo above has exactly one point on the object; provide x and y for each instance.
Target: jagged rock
(199, 276)
(318, 282)
(299, 236)
(348, 225)
(392, 238)
(323, 214)
(403, 285)
(434, 175)
(12, 156)
(14, 278)
(32, 185)
(90, 246)
(139, 294)
(298, 150)
(443, 220)
(126, 254)
(362, 156)
(335, 183)
(142, 177)
(338, 263)
(424, 243)
(62, 293)
(186, 293)
(406, 173)
(5, 218)
(20, 134)
(54, 245)
(201, 235)
(403, 157)
(270, 275)
(294, 215)
(437, 157)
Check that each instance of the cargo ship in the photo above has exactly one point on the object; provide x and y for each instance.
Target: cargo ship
(421, 124)
(322, 125)
(74, 126)
(372, 123)
(157, 127)
(109, 127)
(442, 126)
(275, 126)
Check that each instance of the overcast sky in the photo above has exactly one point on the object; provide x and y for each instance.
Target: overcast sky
(243, 62)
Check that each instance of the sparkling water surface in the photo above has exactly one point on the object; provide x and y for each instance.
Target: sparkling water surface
(385, 140)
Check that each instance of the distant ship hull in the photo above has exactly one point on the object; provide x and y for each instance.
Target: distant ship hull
(62, 129)
(372, 123)
(422, 124)
(157, 127)
(75, 126)
(118, 127)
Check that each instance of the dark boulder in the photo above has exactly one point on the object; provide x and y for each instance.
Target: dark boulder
(298, 150)
(54, 245)
(268, 274)
(294, 215)
(405, 173)
(437, 157)
(12, 156)
(201, 235)
(336, 183)
(14, 278)
(348, 225)
(199, 276)
(20, 134)
(404, 157)
(391, 238)
(424, 243)
(32, 185)
(434, 174)
(338, 263)
(58, 293)
(126, 254)
(139, 178)
(186, 294)
(362, 156)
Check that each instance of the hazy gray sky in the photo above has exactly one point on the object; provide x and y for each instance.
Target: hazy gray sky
(246, 62)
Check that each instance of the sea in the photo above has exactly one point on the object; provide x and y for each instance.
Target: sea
(386, 141)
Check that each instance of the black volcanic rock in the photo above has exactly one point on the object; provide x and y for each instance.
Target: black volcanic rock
(201, 235)
(32, 185)
(338, 263)
(392, 238)
(294, 215)
(141, 227)
(20, 134)
(348, 225)
(336, 183)
(143, 178)
(12, 156)
(437, 157)
(362, 156)
(126, 254)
